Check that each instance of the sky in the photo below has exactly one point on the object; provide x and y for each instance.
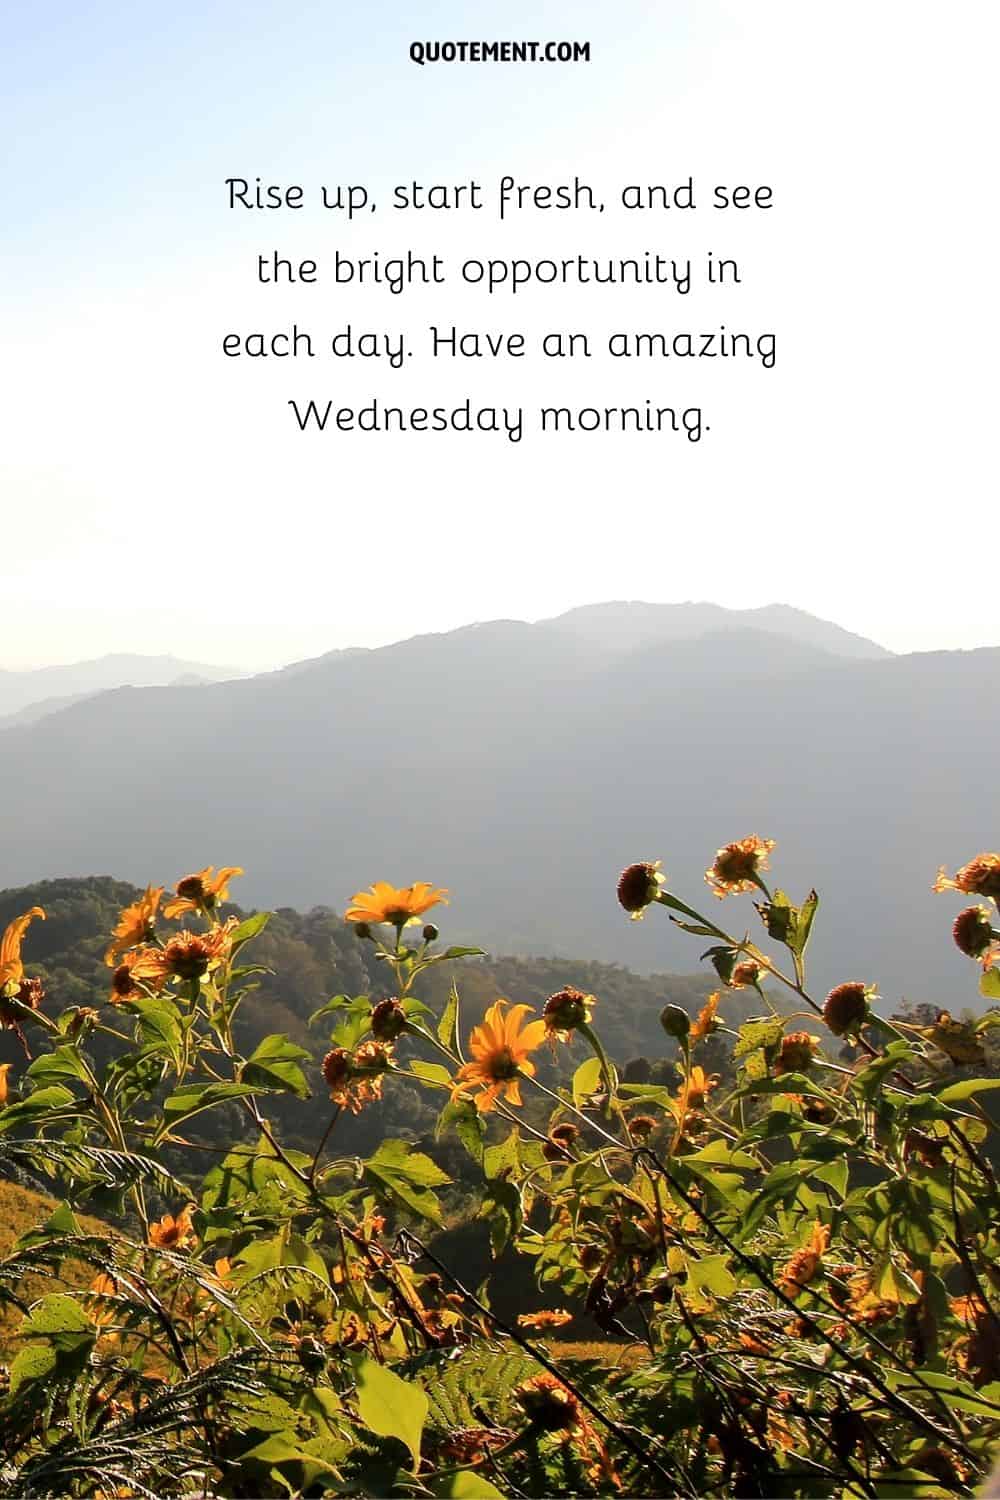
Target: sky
(158, 497)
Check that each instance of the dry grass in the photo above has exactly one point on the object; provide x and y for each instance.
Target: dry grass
(20, 1211)
(613, 1356)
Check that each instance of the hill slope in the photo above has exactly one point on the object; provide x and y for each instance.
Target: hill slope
(522, 766)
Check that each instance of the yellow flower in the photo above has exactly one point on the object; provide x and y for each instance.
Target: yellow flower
(387, 903)
(172, 1233)
(11, 967)
(805, 1263)
(202, 892)
(694, 1091)
(4, 1084)
(135, 924)
(500, 1048)
(737, 867)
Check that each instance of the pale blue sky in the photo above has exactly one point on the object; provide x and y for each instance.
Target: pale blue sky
(157, 498)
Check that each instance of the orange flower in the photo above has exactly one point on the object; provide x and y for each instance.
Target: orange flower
(189, 955)
(398, 905)
(4, 1084)
(805, 1263)
(737, 867)
(202, 892)
(705, 1022)
(135, 924)
(694, 1090)
(549, 1404)
(141, 964)
(546, 1318)
(11, 967)
(500, 1048)
(171, 1233)
(102, 1289)
(980, 877)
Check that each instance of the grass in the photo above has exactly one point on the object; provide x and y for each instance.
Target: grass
(22, 1210)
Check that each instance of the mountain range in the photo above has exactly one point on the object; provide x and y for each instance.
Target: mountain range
(33, 694)
(522, 765)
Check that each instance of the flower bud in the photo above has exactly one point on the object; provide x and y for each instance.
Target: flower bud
(675, 1022)
(362, 930)
(431, 933)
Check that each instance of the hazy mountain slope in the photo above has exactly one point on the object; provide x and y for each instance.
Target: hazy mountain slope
(19, 690)
(623, 626)
(521, 768)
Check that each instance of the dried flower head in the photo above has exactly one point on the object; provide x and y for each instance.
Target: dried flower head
(388, 1020)
(737, 866)
(974, 935)
(641, 1127)
(355, 1078)
(189, 955)
(980, 877)
(545, 1318)
(638, 886)
(797, 1051)
(806, 1262)
(548, 1404)
(745, 975)
(565, 1011)
(845, 1009)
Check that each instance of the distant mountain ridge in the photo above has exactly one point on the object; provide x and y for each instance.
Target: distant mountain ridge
(523, 765)
(34, 693)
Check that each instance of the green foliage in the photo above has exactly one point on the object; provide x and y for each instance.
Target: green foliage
(791, 1235)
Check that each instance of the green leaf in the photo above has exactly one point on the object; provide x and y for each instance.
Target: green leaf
(956, 1092)
(461, 953)
(765, 1031)
(409, 1175)
(711, 1274)
(275, 1066)
(34, 1363)
(989, 984)
(448, 1033)
(192, 1098)
(465, 1484)
(62, 1063)
(389, 1406)
(505, 1157)
(57, 1314)
(38, 1103)
(586, 1079)
(470, 1127)
(249, 928)
(429, 1072)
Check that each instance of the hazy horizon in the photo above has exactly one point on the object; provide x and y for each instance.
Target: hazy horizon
(250, 667)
